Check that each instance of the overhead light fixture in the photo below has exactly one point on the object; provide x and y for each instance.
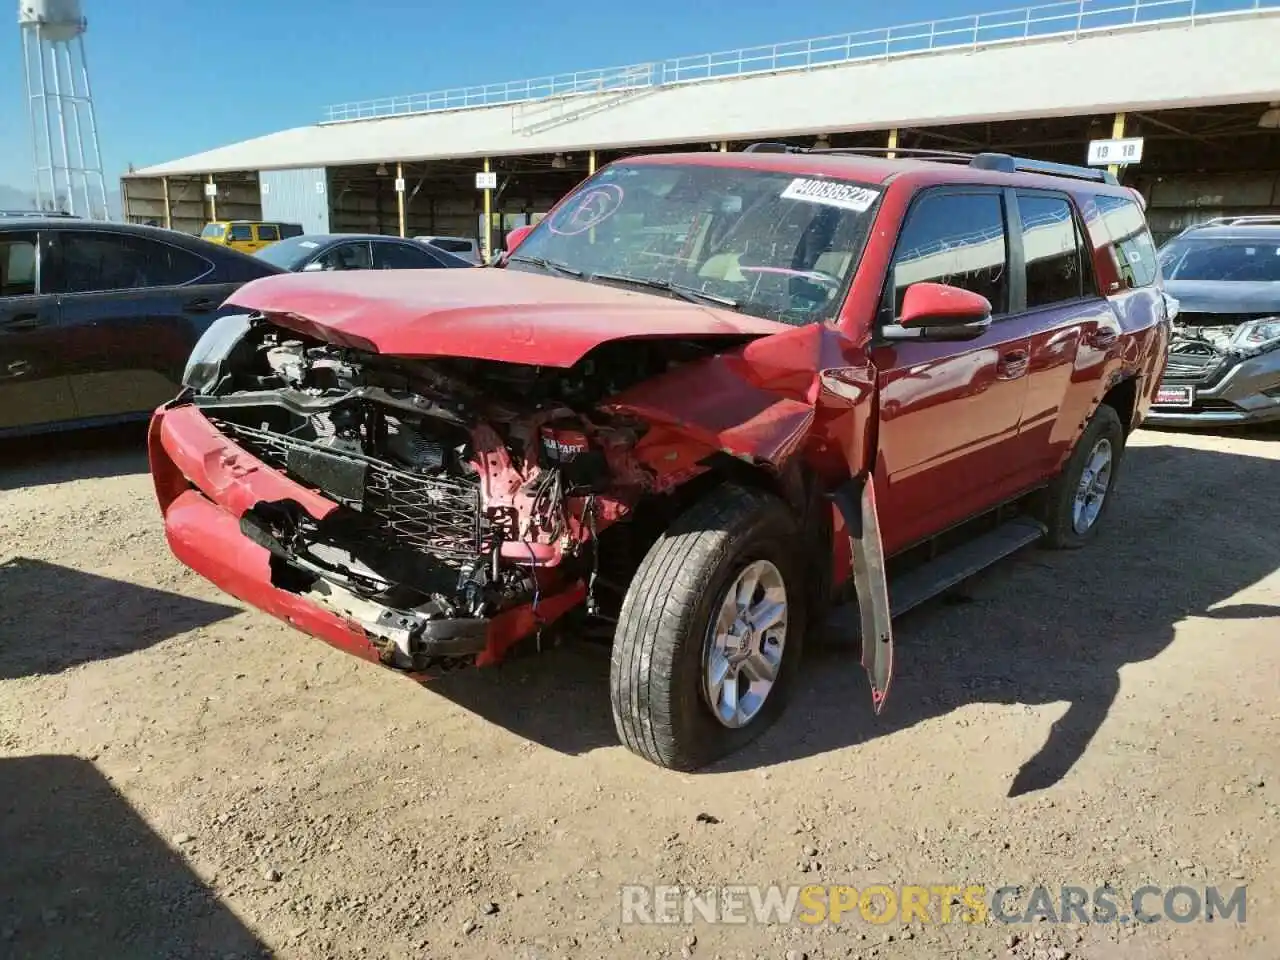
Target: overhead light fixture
(1270, 120)
(822, 143)
(558, 162)
(381, 171)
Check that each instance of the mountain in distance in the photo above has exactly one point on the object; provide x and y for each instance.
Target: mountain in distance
(15, 198)
(11, 198)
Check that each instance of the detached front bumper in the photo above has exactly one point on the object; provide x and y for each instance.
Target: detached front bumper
(206, 484)
(1248, 393)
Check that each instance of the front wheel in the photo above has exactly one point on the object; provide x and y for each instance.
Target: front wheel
(1074, 504)
(709, 636)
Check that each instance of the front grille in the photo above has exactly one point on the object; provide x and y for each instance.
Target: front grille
(437, 516)
(1192, 318)
(1193, 363)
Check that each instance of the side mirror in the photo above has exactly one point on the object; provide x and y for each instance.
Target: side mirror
(516, 235)
(313, 266)
(938, 311)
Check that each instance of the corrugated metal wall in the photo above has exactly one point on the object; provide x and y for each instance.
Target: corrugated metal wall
(189, 204)
(300, 196)
(1177, 202)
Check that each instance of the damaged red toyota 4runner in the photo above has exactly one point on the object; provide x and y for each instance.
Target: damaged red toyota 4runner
(709, 399)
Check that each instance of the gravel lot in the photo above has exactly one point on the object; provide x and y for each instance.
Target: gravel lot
(180, 777)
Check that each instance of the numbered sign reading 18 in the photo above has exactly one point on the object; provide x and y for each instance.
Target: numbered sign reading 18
(1103, 153)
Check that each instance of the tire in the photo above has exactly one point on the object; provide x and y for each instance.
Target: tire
(661, 705)
(1057, 509)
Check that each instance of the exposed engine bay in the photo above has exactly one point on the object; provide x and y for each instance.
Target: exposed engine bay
(466, 487)
(1205, 343)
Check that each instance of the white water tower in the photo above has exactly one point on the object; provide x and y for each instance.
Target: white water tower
(64, 127)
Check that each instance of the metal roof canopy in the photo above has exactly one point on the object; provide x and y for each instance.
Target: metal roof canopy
(1222, 58)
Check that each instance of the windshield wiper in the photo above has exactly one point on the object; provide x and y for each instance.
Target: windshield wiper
(692, 294)
(551, 266)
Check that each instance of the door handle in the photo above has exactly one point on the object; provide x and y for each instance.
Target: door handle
(17, 368)
(1102, 337)
(22, 321)
(1013, 364)
(200, 305)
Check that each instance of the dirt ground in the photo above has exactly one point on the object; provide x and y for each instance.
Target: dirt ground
(180, 777)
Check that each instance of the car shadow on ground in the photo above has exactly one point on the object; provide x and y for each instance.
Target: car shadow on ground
(54, 617)
(82, 875)
(1041, 628)
(73, 455)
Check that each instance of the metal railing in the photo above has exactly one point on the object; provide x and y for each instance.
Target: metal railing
(1067, 20)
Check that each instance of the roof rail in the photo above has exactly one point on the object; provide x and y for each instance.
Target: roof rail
(1250, 220)
(998, 162)
(1004, 163)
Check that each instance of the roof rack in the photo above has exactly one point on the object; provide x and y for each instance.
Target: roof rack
(1251, 220)
(999, 162)
(1004, 163)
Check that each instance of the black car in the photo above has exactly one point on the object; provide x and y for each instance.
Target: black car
(355, 251)
(97, 319)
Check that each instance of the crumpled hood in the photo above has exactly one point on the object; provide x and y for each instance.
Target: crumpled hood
(483, 313)
(1212, 296)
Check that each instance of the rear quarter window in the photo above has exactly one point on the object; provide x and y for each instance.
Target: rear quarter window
(1117, 226)
(452, 246)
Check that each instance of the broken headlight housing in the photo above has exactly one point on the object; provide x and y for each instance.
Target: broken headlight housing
(204, 366)
(1257, 336)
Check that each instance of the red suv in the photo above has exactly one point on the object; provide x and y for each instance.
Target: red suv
(707, 400)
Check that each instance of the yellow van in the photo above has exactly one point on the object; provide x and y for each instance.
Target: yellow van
(248, 235)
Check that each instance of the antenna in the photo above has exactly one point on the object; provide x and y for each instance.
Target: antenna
(64, 126)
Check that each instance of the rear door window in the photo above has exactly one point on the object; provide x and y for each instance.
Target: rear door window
(1057, 261)
(104, 261)
(18, 264)
(956, 238)
(268, 232)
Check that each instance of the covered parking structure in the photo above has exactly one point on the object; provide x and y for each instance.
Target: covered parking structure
(1198, 80)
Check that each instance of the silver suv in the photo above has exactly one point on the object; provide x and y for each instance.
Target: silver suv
(1224, 357)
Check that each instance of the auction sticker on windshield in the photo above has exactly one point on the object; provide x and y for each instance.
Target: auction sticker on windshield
(845, 195)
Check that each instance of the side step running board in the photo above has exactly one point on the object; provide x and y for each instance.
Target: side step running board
(946, 571)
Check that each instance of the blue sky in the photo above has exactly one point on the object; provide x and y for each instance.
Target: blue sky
(174, 77)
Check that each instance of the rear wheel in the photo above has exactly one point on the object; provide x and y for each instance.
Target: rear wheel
(1074, 504)
(709, 636)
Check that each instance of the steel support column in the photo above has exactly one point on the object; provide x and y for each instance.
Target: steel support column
(1117, 133)
(400, 194)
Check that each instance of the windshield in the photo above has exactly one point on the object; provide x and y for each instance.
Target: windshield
(288, 252)
(213, 231)
(1224, 260)
(767, 243)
